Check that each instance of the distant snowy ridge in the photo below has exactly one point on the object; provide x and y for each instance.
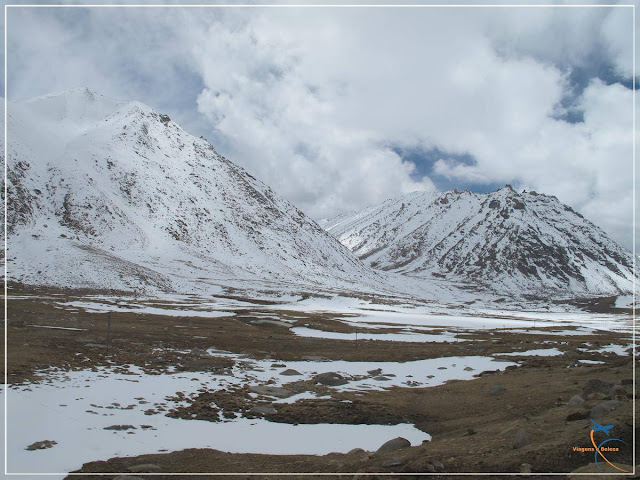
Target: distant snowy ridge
(109, 194)
(509, 242)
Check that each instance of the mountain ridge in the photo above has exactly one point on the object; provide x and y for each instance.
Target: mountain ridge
(509, 241)
(98, 183)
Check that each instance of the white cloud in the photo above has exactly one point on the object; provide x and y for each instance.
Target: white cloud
(311, 100)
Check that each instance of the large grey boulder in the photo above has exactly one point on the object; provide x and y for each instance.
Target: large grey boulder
(395, 444)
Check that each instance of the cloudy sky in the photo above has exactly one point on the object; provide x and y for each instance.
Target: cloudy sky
(341, 108)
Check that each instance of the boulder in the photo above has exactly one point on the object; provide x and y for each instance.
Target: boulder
(331, 379)
(604, 408)
(290, 372)
(521, 438)
(577, 415)
(395, 444)
(576, 401)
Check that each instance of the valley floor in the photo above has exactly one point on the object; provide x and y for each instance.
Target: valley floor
(304, 383)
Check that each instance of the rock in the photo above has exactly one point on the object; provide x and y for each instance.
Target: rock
(42, 445)
(438, 466)
(271, 391)
(145, 468)
(120, 427)
(525, 468)
(521, 438)
(377, 371)
(355, 451)
(395, 444)
(392, 462)
(595, 385)
(604, 408)
(617, 392)
(576, 401)
(468, 369)
(263, 410)
(577, 415)
(597, 396)
(330, 378)
(290, 372)
(278, 365)
(497, 390)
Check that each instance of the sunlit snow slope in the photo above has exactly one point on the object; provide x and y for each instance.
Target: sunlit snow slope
(109, 194)
(510, 242)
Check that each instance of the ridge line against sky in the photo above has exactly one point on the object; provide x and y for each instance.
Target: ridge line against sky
(339, 109)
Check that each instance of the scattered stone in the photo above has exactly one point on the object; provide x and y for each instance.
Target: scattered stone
(576, 401)
(525, 468)
(120, 427)
(578, 415)
(290, 372)
(271, 391)
(278, 365)
(497, 390)
(145, 468)
(604, 408)
(469, 432)
(521, 438)
(469, 369)
(395, 444)
(42, 445)
(263, 410)
(377, 371)
(595, 385)
(330, 378)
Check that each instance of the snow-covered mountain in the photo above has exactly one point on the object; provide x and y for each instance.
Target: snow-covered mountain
(510, 242)
(105, 193)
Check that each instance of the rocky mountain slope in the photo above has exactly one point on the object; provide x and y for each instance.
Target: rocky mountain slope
(510, 242)
(110, 194)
